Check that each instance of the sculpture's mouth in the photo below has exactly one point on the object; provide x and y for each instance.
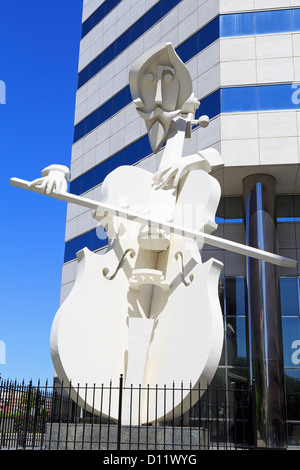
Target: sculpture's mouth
(159, 113)
(158, 124)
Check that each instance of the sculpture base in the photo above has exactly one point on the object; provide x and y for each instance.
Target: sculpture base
(71, 436)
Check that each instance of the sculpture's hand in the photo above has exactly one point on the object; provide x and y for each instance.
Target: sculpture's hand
(54, 178)
(163, 177)
(207, 160)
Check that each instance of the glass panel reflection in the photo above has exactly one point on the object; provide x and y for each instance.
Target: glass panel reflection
(235, 295)
(236, 341)
(292, 385)
(289, 294)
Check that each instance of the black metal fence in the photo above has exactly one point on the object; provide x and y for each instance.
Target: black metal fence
(47, 418)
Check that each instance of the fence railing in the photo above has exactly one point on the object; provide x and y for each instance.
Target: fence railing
(48, 418)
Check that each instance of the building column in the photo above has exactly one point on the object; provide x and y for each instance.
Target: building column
(265, 328)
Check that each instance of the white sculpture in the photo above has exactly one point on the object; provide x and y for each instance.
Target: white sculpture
(148, 308)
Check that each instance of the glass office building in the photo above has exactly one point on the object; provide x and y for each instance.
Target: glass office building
(244, 60)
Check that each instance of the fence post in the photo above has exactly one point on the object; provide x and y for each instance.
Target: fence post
(27, 414)
(254, 415)
(120, 412)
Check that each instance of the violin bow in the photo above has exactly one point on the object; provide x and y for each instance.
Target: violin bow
(109, 210)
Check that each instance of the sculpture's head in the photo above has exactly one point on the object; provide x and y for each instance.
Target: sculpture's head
(160, 86)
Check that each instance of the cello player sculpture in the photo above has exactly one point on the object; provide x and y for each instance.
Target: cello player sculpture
(147, 307)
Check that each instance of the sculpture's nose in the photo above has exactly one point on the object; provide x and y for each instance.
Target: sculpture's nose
(158, 94)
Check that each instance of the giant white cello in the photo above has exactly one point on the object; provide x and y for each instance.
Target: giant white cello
(147, 307)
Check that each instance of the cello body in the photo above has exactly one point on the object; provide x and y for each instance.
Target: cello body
(152, 315)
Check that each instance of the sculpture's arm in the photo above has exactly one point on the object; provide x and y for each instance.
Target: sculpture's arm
(54, 178)
(208, 160)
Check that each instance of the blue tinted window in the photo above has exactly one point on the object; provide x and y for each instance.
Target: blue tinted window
(292, 388)
(235, 296)
(127, 156)
(291, 341)
(98, 15)
(88, 240)
(210, 106)
(236, 341)
(104, 112)
(230, 210)
(289, 294)
(295, 19)
(277, 21)
(199, 41)
(237, 24)
(272, 97)
(122, 42)
(238, 99)
(285, 208)
(296, 206)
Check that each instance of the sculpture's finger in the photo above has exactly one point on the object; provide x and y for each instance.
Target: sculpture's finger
(180, 174)
(170, 174)
(47, 186)
(56, 187)
(44, 185)
(158, 175)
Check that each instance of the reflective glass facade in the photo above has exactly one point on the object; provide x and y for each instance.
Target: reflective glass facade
(234, 365)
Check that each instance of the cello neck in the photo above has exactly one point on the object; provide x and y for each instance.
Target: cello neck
(174, 147)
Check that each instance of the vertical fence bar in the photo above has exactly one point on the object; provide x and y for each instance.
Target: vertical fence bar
(68, 416)
(190, 420)
(181, 416)
(156, 422)
(44, 416)
(217, 417)
(226, 422)
(199, 417)
(51, 414)
(254, 414)
(147, 425)
(100, 423)
(36, 414)
(6, 413)
(243, 418)
(130, 415)
(120, 412)
(235, 415)
(109, 408)
(59, 414)
(139, 415)
(11, 431)
(93, 416)
(207, 416)
(165, 406)
(76, 416)
(27, 414)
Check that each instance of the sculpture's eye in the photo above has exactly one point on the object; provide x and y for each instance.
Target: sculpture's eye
(149, 77)
(168, 77)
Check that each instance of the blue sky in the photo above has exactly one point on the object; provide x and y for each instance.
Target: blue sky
(39, 46)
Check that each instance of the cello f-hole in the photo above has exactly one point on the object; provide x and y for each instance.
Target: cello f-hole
(105, 271)
(191, 277)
